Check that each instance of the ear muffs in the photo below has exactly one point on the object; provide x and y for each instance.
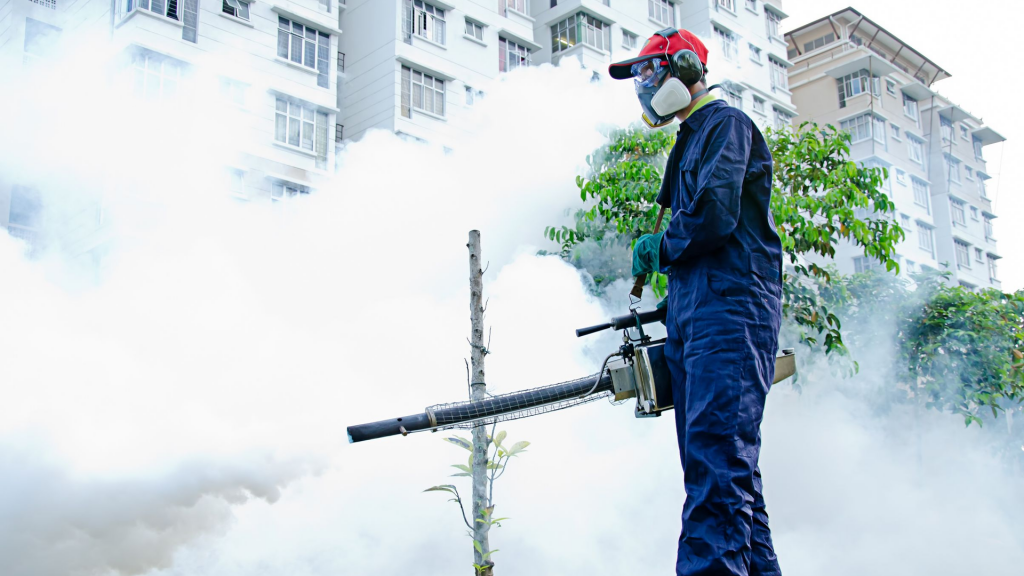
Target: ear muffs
(686, 66)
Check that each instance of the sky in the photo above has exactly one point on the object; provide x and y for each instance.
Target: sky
(182, 410)
(974, 43)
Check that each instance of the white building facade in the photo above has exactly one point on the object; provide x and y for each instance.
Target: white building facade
(410, 63)
(271, 67)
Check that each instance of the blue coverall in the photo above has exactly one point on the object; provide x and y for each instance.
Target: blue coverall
(724, 261)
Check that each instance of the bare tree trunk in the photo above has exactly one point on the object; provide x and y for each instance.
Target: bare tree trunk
(478, 390)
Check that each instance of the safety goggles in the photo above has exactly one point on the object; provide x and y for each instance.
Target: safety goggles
(649, 73)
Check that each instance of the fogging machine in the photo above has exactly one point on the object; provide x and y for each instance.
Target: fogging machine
(638, 369)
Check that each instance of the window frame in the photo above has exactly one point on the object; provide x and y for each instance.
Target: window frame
(321, 42)
(728, 41)
(772, 21)
(913, 107)
(504, 51)
(474, 25)
(925, 237)
(779, 75)
(922, 193)
(754, 53)
(957, 214)
(315, 124)
(408, 97)
(961, 248)
(425, 19)
(662, 7)
(227, 4)
(586, 29)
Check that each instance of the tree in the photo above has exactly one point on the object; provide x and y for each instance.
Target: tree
(819, 198)
(484, 466)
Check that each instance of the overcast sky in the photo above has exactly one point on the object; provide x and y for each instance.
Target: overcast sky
(973, 42)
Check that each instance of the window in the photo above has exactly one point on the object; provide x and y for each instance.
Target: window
(236, 8)
(910, 107)
(168, 8)
(579, 28)
(155, 77)
(969, 172)
(474, 30)
(303, 126)
(26, 206)
(924, 238)
(521, 6)
(883, 173)
(51, 4)
(957, 210)
(978, 255)
(629, 40)
(981, 184)
(285, 190)
(901, 176)
(915, 150)
(734, 98)
(963, 255)
(752, 5)
(974, 213)
(963, 132)
(952, 168)
(878, 130)
(771, 23)
(759, 104)
(511, 55)
(856, 84)
(947, 128)
(862, 264)
(779, 78)
(728, 42)
(977, 149)
(421, 92)
(858, 127)
(819, 42)
(729, 5)
(40, 38)
(890, 87)
(895, 131)
(988, 228)
(782, 119)
(473, 95)
(339, 132)
(905, 221)
(304, 45)
(910, 266)
(755, 53)
(992, 268)
(662, 12)
(921, 194)
(428, 22)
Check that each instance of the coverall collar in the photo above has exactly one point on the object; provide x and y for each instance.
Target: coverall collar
(701, 111)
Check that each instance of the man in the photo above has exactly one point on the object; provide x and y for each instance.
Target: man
(724, 262)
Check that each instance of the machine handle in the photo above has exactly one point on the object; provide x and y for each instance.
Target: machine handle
(627, 321)
(638, 286)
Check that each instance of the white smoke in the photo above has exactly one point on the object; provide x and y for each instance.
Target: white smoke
(182, 410)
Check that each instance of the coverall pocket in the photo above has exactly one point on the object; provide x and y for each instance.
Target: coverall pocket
(727, 284)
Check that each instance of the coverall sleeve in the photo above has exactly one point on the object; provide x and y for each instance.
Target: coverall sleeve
(713, 213)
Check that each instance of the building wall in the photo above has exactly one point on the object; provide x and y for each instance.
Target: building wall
(227, 50)
(814, 80)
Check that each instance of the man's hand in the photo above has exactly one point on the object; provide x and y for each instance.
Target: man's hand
(645, 254)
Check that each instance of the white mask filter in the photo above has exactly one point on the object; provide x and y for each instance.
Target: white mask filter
(672, 97)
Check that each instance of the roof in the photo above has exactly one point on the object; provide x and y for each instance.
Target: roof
(929, 69)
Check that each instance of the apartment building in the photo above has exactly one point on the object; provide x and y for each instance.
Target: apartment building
(851, 72)
(411, 64)
(270, 66)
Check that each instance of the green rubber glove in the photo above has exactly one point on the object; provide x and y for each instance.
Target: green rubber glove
(645, 254)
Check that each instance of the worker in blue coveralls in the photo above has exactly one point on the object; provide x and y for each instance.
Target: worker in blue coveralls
(724, 262)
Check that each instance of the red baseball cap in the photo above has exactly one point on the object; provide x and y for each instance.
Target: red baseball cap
(667, 41)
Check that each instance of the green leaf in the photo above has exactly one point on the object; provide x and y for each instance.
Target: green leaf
(518, 447)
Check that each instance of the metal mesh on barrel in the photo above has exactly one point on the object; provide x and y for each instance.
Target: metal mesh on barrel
(515, 405)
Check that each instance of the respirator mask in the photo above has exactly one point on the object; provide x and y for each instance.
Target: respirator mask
(661, 98)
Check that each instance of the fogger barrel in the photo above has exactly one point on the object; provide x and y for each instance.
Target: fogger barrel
(463, 412)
